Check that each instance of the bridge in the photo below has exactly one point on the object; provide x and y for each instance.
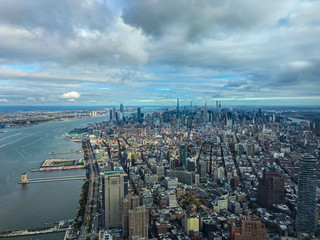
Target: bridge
(25, 180)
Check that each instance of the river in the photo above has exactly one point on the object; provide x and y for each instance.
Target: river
(33, 205)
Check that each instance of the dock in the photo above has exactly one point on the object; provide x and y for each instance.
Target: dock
(62, 227)
(25, 180)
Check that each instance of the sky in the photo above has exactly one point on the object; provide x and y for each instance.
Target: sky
(138, 52)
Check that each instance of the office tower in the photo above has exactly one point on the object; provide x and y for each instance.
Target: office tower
(205, 114)
(234, 182)
(183, 155)
(115, 189)
(271, 189)
(250, 149)
(121, 107)
(191, 166)
(307, 184)
(240, 149)
(260, 114)
(139, 115)
(110, 114)
(121, 112)
(202, 171)
(178, 108)
(138, 223)
(166, 117)
(129, 203)
(249, 229)
(114, 113)
(217, 109)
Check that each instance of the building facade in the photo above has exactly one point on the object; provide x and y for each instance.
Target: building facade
(271, 189)
(115, 189)
(307, 185)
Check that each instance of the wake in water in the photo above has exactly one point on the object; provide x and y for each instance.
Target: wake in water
(17, 134)
(25, 154)
(14, 141)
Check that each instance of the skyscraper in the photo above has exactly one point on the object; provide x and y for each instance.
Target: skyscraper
(115, 189)
(307, 184)
(121, 112)
(271, 189)
(205, 114)
(139, 115)
(110, 114)
(114, 114)
(178, 108)
(183, 155)
(202, 171)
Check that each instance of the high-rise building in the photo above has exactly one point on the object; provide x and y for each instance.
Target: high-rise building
(129, 203)
(166, 116)
(139, 115)
(183, 155)
(121, 107)
(114, 114)
(110, 115)
(250, 149)
(202, 171)
(115, 189)
(178, 110)
(234, 182)
(138, 223)
(205, 114)
(307, 184)
(121, 112)
(271, 189)
(240, 149)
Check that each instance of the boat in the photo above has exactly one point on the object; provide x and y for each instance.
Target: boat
(3, 131)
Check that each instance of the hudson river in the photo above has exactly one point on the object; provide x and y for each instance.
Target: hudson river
(37, 204)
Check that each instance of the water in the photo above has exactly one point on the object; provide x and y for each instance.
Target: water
(32, 205)
(298, 120)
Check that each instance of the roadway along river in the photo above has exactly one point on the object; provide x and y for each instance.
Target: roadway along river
(32, 205)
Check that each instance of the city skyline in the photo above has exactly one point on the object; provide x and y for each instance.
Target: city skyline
(151, 53)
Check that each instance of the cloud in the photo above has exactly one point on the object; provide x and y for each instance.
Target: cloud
(3, 100)
(67, 32)
(159, 49)
(299, 65)
(71, 100)
(71, 95)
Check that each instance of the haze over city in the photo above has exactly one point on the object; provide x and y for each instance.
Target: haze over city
(69, 52)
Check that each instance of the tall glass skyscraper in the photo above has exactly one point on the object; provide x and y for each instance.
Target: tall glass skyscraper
(307, 184)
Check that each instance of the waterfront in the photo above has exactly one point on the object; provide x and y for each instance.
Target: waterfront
(33, 205)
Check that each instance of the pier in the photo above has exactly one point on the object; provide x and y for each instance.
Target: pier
(25, 180)
(61, 227)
